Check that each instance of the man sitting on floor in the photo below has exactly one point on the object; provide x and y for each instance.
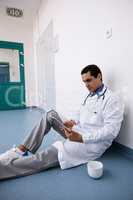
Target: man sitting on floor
(87, 135)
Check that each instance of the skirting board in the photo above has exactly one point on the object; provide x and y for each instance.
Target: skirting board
(125, 151)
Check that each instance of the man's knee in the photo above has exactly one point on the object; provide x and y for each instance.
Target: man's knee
(51, 115)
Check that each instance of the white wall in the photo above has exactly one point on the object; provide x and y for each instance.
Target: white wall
(46, 69)
(21, 30)
(81, 27)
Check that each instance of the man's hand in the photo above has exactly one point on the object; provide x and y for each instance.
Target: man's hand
(70, 123)
(72, 135)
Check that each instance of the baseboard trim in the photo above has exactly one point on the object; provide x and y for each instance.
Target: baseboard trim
(123, 150)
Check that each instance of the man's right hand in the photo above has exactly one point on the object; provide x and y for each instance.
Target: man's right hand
(69, 123)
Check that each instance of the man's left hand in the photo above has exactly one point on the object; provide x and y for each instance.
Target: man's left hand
(73, 136)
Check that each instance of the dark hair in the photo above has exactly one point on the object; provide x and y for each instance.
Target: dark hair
(93, 69)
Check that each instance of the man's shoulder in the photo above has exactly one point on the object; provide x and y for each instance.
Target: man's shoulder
(111, 95)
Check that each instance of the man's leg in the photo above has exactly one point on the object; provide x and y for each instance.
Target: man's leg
(28, 165)
(12, 165)
(34, 139)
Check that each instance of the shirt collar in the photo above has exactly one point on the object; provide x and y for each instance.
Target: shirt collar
(99, 91)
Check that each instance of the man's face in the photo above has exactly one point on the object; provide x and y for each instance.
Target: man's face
(91, 82)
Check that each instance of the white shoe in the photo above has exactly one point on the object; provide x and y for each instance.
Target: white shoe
(9, 155)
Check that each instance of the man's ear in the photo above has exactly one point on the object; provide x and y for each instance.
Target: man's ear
(99, 76)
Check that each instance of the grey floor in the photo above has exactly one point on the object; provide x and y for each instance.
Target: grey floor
(55, 184)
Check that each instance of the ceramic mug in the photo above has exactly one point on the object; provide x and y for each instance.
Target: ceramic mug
(95, 169)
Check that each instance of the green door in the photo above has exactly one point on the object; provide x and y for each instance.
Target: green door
(12, 82)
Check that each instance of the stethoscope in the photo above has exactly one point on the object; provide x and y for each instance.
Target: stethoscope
(90, 94)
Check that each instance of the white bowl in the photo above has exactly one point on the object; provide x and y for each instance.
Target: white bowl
(95, 169)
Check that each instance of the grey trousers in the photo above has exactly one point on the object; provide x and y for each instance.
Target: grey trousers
(38, 161)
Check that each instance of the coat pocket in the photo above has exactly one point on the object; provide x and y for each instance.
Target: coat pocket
(95, 118)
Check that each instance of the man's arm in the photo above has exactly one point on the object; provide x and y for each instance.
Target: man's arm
(113, 116)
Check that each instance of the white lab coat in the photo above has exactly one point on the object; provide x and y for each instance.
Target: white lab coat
(99, 122)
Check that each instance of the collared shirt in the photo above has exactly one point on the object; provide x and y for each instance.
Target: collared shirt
(99, 92)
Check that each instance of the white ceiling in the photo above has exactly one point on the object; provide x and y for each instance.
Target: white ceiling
(32, 5)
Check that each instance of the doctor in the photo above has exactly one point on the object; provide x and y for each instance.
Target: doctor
(87, 135)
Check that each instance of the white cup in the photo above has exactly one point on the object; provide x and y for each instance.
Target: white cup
(95, 169)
